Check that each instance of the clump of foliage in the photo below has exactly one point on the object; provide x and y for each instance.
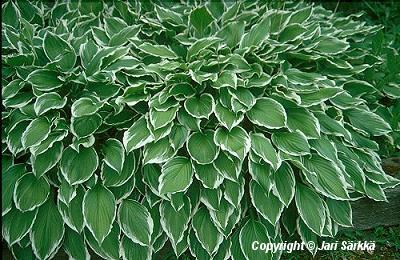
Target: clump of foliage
(131, 129)
(386, 13)
(385, 76)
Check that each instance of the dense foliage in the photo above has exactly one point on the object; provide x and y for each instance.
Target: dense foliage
(131, 129)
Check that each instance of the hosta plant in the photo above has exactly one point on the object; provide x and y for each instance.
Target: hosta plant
(141, 129)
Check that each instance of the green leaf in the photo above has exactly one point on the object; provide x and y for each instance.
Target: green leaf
(78, 167)
(332, 126)
(137, 135)
(109, 248)
(133, 95)
(178, 136)
(227, 166)
(35, 132)
(43, 162)
(200, 19)
(196, 249)
(159, 119)
(10, 14)
(59, 51)
(292, 32)
(113, 25)
(226, 79)
(74, 245)
(13, 140)
(257, 34)
(181, 247)
(325, 148)
(262, 146)
(329, 176)
(340, 212)
(124, 35)
(321, 95)
(200, 45)
(135, 221)
(151, 173)
(307, 236)
(301, 15)
(188, 121)
(84, 107)
(47, 230)
(49, 101)
(303, 120)
(201, 147)
(181, 90)
(296, 76)
(16, 225)
(234, 191)
(374, 191)
(30, 192)
(114, 154)
(392, 90)
(85, 126)
(158, 152)
(242, 97)
(112, 178)
(12, 88)
(211, 198)
(254, 231)
(20, 252)
(236, 142)
(104, 58)
(310, 207)
(266, 203)
(221, 215)
(158, 134)
(231, 12)
(175, 223)
(87, 52)
(205, 230)
(208, 175)
(293, 143)
(331, 45)
(132, 250)
(8, 180)
(236, 251)
(158, 50)
(124, 190)
(261, 173)
(168, 15)
(232, 33)
(99, 209)
(45, 79)
(176, 176)
(124, 63)
(367, 121)
(72, 212)
(200, 107)
(226, 117)
(6, 161)
(19, 100)
(66, 191)
(358, 88)
(345, 101)
(268, 113)
(354, 171)
(284, 180)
